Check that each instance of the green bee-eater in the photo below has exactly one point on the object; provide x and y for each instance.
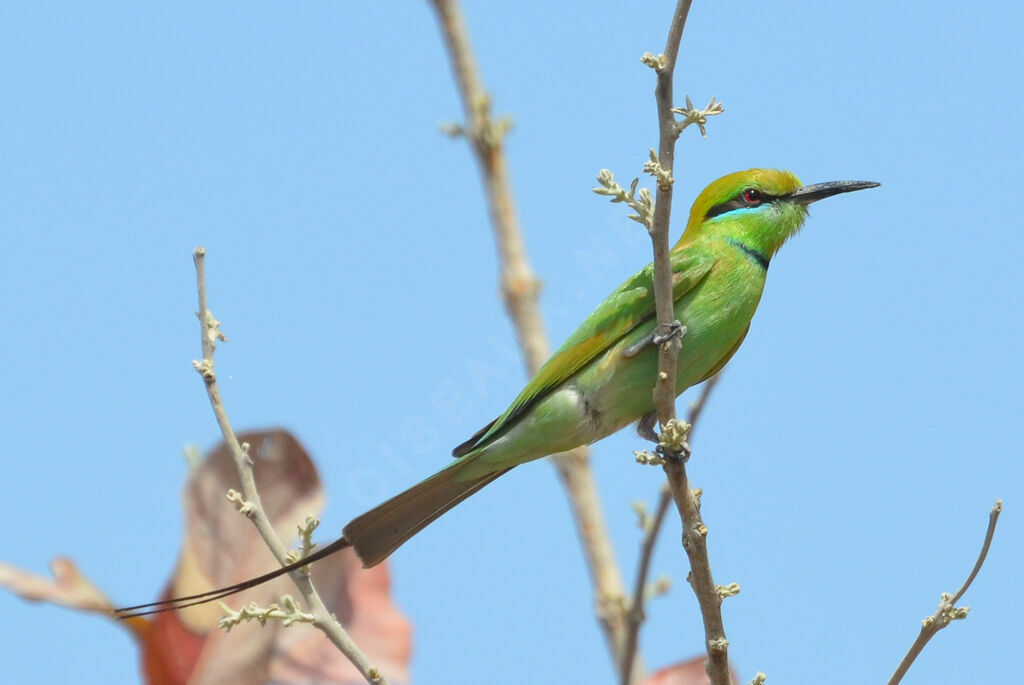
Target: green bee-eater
(602, 377)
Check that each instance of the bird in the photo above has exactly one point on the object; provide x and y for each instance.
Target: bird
(602, 377)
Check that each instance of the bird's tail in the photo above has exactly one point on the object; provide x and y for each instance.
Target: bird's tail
(211, 595)
(380, 531)
(374, 535)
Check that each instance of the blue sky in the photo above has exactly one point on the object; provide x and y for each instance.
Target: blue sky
(849, 457)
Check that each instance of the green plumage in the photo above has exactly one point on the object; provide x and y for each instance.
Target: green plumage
(590, 387)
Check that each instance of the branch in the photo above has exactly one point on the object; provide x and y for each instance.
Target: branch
(250, 505)
(519, 289)
(948, 611)
(636, 614)
(694, 530)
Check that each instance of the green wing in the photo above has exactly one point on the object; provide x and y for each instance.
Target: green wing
(630, 305)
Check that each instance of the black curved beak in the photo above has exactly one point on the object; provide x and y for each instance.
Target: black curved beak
(805, 195)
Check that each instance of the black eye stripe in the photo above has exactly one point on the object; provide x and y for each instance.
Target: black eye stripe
(728, 206)
(737, 203)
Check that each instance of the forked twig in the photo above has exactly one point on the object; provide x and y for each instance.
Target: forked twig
(948, 611)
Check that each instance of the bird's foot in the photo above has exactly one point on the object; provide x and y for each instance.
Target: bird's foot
(673, 454)
(672, 445)
(675, 329)
(645, 427)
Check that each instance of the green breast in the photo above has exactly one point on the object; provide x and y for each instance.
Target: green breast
(716, 314)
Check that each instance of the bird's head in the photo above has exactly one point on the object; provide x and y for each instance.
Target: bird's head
(761, 208)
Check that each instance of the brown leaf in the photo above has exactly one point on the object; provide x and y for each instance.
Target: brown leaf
(221, 547)
(170, 649)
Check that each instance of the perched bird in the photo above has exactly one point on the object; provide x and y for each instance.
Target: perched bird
(602, 377)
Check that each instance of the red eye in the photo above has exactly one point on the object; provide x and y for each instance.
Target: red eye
(752, 196)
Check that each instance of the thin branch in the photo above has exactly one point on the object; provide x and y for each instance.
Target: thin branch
(321, 616)
(636, 614)
(948, 611)
(520, 288)
(694, 530)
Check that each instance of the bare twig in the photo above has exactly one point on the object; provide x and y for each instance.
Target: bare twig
(635, 614)
(519, 289)
(948, 611)
(250, 498)
(635, 611)
(694, 530)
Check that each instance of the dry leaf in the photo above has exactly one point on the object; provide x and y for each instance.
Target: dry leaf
(221, 547)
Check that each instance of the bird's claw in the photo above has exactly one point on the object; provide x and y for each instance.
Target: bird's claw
(674, 455)
(645, 428)
(676, 329)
